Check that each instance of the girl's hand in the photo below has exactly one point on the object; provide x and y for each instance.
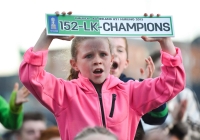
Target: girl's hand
(165, 42)
(150, 68)
(44, 40)
(22, 94)
(68, 38)
(63, 13)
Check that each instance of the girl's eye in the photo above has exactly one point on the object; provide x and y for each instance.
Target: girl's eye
(119, 50)
(103, 54)
(88, 56)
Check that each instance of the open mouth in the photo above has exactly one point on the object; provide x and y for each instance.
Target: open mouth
(97, 71)
(114, 65)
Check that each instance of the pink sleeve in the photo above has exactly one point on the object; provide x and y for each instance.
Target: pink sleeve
(151, 93)
(33, 76)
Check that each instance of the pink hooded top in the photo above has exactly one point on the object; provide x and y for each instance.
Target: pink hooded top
(76, 104)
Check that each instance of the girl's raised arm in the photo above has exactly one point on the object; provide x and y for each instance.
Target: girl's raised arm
(44, 41)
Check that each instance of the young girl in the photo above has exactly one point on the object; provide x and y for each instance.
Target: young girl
(97, 98)
(120, 63)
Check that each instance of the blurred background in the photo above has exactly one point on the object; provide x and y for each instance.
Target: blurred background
(22, 21)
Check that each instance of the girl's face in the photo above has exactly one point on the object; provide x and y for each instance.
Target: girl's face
(93, 59)
(120, 61)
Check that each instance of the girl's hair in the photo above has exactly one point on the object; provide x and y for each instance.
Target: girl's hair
(94, 130)
(74, 50)
(49, 133)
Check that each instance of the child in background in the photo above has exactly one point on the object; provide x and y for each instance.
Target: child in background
(120, 63)
(183, 108)
(33, 124)
(96, 98)
(11, 115)
(187, 99)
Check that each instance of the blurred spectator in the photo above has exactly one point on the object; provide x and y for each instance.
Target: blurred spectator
(195, 68)
(51, 133)
(179, 131)
(33, 124)
(187, 95)
(33, 105)
(184, 108)
(95, 133)
(11, 114)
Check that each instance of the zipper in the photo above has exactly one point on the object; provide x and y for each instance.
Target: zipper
(102, 111)
(113, 105)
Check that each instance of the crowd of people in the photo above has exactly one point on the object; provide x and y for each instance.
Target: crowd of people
(98, 101)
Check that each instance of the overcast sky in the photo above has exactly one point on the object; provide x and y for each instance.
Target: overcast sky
(22, 21)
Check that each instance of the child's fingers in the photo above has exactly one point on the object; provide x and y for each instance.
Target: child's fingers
(69, 13)
(16, 87)
(145, 14)
(68, 38)
(150, 59)
(151, 63)
(23, 89)
(57, 13)
(25, 100)
(26, 94)
(63, 13)
(151, 15)
(145, 73)
(151, 39)
(150, 72)
(145, 38)
(150, 67)
(147, 61)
